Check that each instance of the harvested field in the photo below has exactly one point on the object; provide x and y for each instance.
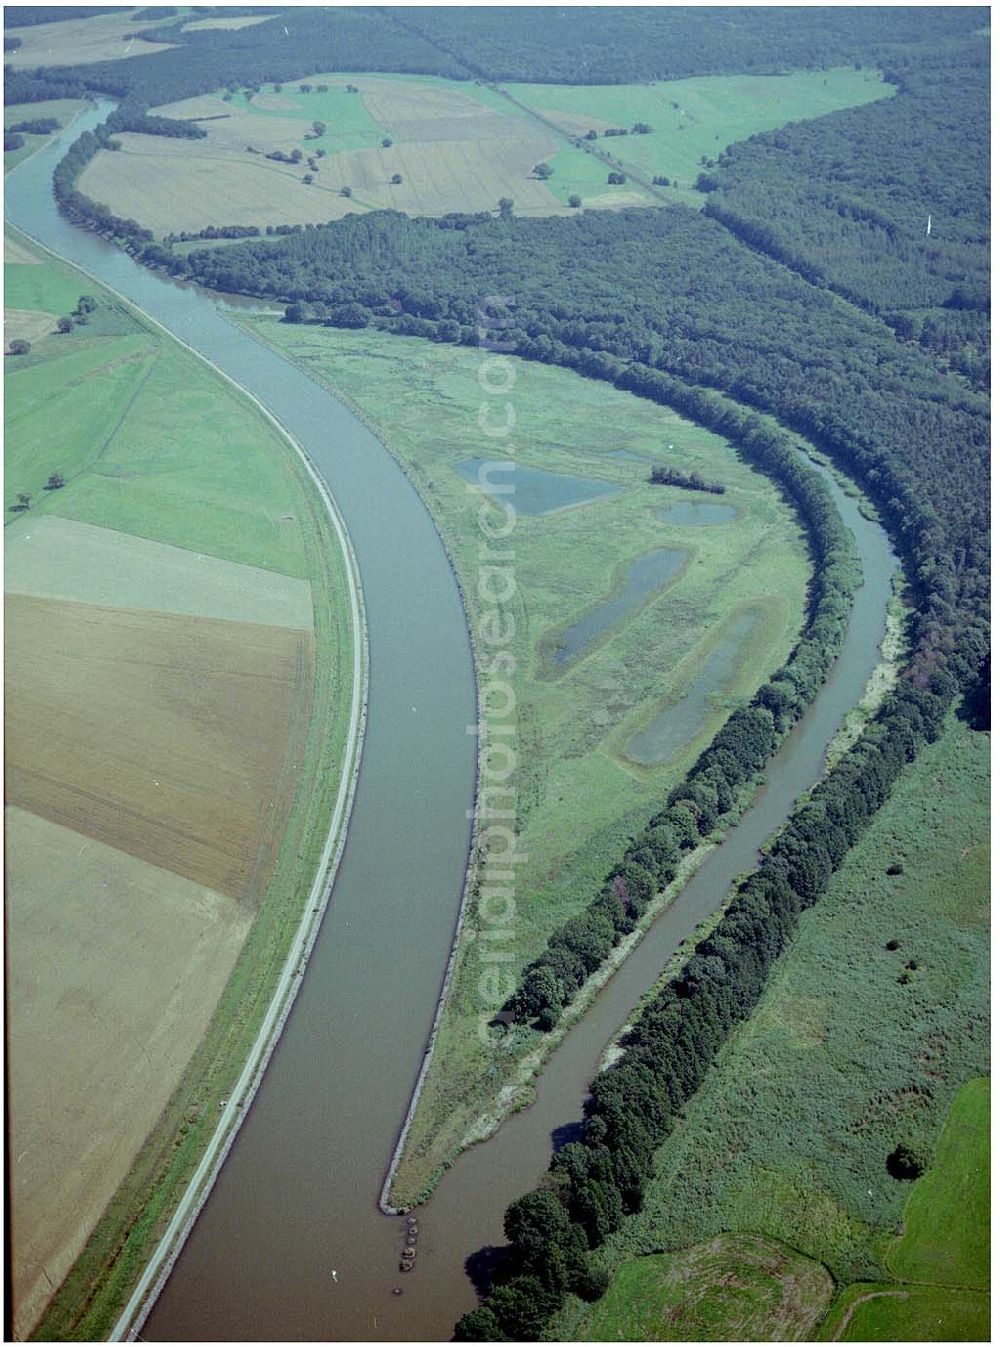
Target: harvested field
(173, 185)
(55, 558)
(245, 22)
(452, 152)
(26, 324)
(115, 967)
(173, 738)
(79, 41)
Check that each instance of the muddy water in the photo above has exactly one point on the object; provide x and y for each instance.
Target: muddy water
(297, 1196)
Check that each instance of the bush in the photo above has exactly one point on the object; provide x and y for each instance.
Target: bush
(906, 1163)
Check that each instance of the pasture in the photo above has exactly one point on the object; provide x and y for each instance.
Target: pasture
(104, 37)
(850, 1051)
(578, 794)
(692, 120)
(735, 1288)
(895, 1313)
(172, 746)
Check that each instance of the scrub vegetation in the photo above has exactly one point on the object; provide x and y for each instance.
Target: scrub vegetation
(163, 547)
(849, 1053)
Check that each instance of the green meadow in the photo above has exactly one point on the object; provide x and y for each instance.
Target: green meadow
(941, 1261)
(349, 125)
(692, 120)
(854, 1048)
(579, 797)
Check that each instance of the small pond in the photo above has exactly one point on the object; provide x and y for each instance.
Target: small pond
(535, 491)
(676, 724)
(645, 576)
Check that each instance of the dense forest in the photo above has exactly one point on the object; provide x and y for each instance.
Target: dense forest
(847, 200)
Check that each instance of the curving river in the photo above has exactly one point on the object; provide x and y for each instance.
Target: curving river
(298, 1194)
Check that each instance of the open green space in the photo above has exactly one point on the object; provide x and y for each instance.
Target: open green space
(736, 1288)
(62, 109)
(578, 796)
(851, 1051)
(153, 442)
(692, 120)
(143, 445)
(946, 1235)
(894, 1313)
(349, 125)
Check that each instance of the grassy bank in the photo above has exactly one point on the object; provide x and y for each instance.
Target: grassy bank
(579, 795)
(153, 443)
(851, 1051)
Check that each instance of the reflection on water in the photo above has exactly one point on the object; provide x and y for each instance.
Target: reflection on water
(532, 490)
(676, 724)
(645, 576)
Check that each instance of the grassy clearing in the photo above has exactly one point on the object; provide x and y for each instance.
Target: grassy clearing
(893, 1313)
(849, 1051)
(736, 1288)
(947, 1218)
(578, 798)
(692, 120)
(173, 454)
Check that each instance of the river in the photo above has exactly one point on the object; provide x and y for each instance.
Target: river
(298, 1194)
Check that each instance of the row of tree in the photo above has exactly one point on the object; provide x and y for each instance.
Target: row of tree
(689, 481)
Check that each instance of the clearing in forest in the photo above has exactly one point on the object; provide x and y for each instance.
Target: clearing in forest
(104, 37)
(454, 145)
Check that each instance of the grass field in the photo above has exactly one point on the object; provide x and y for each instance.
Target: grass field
(173, 747)
(912, 1314)
(62, 109)
(578, 795)
(849, 1051)
(692, 120)
(104, 37)
(457, 146)
(735, 1288)
(941, 1261)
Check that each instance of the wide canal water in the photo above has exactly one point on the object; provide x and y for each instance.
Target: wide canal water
(298, 1194)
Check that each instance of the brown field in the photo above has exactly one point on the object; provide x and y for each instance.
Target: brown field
(50, 557)
(29, 324)
(452, 153)
(175, 739)
(171, 185)
(114, 969)
(78, 41)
